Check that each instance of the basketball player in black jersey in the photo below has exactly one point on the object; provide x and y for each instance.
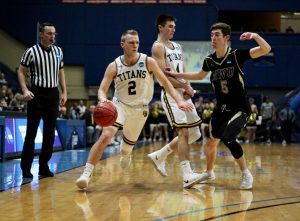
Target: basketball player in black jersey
(232, 109)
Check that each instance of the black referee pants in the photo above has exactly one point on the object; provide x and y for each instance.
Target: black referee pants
(43, 106)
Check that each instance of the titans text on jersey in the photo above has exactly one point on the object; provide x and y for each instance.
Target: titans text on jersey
(174, 56)
(132, 74)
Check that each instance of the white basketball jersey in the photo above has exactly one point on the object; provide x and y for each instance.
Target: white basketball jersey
(134, 85)
(174, 58)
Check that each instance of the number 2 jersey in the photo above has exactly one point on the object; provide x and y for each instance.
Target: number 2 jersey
(227, 79)
(134, 85)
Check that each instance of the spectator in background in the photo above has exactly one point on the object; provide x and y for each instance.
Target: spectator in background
(74, 111)
(155, 130)
(289, 29)
(287, 117)
(260, 29)
(163, 123)
(267, 111)
(2, 78)
(251, 122)
(62, 114)
(3, 104)
(208, 108)
(273, 29)
(93, 130)
(82, 108)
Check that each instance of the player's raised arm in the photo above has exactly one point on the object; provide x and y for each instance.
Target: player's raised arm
(153, 67)
(108, 77)
(262, 48)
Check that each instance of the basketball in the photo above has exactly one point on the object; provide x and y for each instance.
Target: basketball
(105, 114)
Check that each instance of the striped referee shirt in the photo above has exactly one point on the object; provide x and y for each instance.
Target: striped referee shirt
(44, 65)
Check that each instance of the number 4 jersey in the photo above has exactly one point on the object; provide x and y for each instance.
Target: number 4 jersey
(134, 85)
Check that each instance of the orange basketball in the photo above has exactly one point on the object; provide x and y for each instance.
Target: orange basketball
(105, 114)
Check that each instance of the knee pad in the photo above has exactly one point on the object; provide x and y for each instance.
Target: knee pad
(234, 128)
(235, 148)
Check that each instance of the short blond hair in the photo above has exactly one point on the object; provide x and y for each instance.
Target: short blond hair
(128, 32)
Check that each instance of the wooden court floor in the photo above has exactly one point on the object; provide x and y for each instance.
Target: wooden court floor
(140, 193)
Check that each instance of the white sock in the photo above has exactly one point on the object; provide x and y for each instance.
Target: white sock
(88, 169)
(186, 167)
(245, 171)
(209, 172)
(165, 151)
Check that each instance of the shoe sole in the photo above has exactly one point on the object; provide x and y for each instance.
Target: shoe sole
(248, 188)
(193, 183)
(154, 164)
(208, 180)
(81, 184)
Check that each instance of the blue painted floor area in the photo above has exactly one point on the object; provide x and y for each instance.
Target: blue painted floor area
(11, 173)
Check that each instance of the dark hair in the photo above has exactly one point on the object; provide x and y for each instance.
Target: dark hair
(225, 28)
(42, 26)
(163, 19)
(128, 32)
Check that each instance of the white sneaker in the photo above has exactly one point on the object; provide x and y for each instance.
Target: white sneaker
(246, 181)
(159, 164)
(125, 161)
(190, 179)
(83, 181)
(208, 176)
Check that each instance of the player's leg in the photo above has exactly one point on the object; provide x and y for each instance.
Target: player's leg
(211, 153)
(132, 128)
(189, 177)
(95, 155)
(98, 147)
(233, 128)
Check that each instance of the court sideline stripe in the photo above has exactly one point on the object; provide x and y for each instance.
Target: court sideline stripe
(232, 204)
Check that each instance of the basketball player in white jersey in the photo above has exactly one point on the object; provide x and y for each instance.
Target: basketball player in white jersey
(132, 74)
(168, 55)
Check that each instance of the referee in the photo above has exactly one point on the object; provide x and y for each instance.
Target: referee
(44, 62)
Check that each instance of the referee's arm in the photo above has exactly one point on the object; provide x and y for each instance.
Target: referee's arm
(62, 83)
(22, 72)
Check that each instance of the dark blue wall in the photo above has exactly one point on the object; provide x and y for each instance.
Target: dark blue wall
(90, 33)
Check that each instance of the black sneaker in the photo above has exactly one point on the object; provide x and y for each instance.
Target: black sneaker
(27, 174)
(46, 173)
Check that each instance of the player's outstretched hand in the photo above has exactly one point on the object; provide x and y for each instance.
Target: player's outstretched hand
(170, 72)
(247, 36)
(185, 106)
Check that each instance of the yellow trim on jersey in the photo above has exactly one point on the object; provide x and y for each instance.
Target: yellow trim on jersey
(168, 107)
(224, 59)
(129, 142)
(240, 70)
(116, 124)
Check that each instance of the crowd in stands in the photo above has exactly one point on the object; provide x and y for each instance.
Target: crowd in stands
(10, 100)
(273, 29)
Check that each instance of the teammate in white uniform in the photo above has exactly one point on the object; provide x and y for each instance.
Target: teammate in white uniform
(132, 73)
(168, 55)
